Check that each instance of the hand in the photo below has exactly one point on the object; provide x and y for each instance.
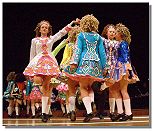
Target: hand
(77, 21)
(128, 66)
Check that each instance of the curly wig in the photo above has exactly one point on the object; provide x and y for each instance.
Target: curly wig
(89, 23)
(126, 36)
(73, 33)
(105, 30)
(37, 29)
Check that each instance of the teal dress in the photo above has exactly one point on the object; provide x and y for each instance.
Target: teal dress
(90, 57)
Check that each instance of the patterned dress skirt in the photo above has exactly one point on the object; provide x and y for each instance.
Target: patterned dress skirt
(126, 71)
(35, 94)
(88, 69)
(43, 64)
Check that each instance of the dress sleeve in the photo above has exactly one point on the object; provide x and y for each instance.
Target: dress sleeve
(125, 51)
(65, 56)
(59, 35)
(102, 53)
(59, 47)
(78, 50)
(32, 50)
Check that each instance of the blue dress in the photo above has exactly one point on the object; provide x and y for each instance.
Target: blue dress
(90, 57)
(123, 66)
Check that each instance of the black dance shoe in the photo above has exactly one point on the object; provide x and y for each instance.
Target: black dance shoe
(44, 117)
(117, 117)
(126, 117)
(112, 116)
(10, 116)
(33, 116)
(88, 117)
(72, 116)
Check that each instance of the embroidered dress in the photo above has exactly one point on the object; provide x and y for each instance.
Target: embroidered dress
(7, 93)
(123, 67)
(62, 87)
(90, 57)
(42, 62)
(17, 94)
(35, 93)
(111, 47)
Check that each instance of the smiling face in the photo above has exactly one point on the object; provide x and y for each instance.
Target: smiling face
(44, 29)
(111, 32)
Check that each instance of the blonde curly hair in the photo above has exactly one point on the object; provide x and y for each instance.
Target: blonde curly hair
(89, 23)
(126, 36)
(73, 33)
(37, 29)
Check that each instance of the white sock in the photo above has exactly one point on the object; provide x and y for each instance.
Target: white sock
(44, 103)
(50, 112)
(37, 105)
(63, 108)
(67, 108)
(48, 109)
(28, 107)
(72, 103)
(119, 106)
(87, 103)
(91, 95)
(24, 101)
(112, 104)
(17, 110)
(127, 106)
(33, 110)
(9, 110)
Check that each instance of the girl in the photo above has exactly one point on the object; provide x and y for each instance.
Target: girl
(26, 93)
(43, 65)
(88, 61)
(123, 73)
(72, 85)
(111, 46)
(17, 91)
(7, 94)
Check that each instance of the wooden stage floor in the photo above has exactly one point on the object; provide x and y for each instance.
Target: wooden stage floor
(141, 119)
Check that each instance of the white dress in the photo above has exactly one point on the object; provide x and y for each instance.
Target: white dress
(42, 62)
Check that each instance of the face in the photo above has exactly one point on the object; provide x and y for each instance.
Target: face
(111, 33)
(44, 29)
(118, 36)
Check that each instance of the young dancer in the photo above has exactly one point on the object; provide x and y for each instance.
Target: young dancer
(123, 74)
(72, 85)
(7, 94)
(43, 65)
(88, 61)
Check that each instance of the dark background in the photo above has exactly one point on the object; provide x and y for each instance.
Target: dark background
(20, 20)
